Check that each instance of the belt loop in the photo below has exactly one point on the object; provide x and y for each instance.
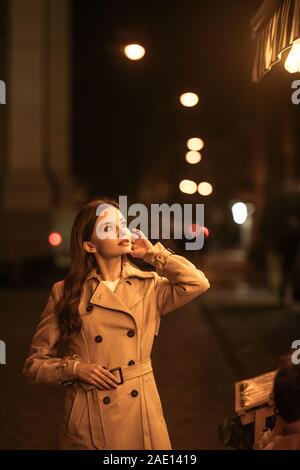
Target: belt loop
(97, 430)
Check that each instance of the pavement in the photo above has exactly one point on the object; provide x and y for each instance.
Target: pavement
(234, 331)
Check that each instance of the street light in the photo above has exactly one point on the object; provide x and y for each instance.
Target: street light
(134, 51)
(239, 212)
(292, 62)
(193, 157)
(188, 186)
(204, 188)
(195, 144)
(189, 99)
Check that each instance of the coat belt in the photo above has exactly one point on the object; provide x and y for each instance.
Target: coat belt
(128, 372)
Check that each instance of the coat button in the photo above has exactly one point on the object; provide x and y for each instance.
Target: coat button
(106, 400)
(131, 363)
(89, 308)
(98, 339)
(134, 393)
(130, 333)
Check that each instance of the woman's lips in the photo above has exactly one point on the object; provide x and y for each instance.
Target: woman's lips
(125, 242)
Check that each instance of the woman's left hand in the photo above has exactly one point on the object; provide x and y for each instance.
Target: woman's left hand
(140, 243)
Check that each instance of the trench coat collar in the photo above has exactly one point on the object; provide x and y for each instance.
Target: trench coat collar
(127, 293)
(128, 270)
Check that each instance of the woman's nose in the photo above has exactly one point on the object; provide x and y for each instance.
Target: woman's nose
(122, 232)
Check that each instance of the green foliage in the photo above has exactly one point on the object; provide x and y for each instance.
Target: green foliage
(232, 434)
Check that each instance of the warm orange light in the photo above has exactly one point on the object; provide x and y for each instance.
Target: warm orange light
(55, 238)
(189, 99)
(188, 186)
(193, 157)
(205, 189)
(134, 51)
(292, 62)
(195, 144)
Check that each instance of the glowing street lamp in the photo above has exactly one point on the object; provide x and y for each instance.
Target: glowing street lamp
(204, 188)
(239, 212)
(134, 51)
(188, 186)
(189, 99)
(195, 144)
(193, 157)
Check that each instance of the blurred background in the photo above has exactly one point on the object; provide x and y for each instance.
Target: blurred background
(190, 113)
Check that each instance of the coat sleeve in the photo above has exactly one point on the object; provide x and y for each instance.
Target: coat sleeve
(178, 280)
(43, 365)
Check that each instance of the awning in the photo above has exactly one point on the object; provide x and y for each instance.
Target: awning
(275, 26)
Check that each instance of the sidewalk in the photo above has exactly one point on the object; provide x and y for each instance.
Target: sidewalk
(253, 329)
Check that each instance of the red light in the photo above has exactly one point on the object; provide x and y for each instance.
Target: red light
(196, 229)
(205, 231)
(55, 239)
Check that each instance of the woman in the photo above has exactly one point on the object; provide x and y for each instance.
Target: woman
(96, 332)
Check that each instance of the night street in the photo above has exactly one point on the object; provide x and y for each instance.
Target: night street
(150, 182)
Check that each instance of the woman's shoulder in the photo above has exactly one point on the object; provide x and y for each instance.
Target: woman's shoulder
(130, 269)
(57, 288)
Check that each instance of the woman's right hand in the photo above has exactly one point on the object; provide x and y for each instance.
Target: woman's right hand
(96, 375)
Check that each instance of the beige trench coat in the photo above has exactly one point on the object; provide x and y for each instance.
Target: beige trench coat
(118, 331)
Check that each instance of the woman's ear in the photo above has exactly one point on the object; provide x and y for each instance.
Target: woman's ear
(89, 247)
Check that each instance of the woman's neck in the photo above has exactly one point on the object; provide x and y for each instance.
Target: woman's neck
(109, 269)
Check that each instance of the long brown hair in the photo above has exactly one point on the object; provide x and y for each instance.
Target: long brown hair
(82, 263)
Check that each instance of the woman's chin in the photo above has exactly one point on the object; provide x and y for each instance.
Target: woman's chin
(125, 248)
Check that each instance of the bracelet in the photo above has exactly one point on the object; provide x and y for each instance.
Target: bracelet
(74, 367)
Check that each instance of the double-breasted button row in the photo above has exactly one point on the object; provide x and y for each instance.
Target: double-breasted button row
(99, 338)
(133, 393)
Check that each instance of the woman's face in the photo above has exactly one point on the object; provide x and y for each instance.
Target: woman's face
(111, 236)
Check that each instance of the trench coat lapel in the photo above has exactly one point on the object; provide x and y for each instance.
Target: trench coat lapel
(128, 293)
(123, 299)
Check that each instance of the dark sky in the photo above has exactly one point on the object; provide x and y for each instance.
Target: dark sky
(129, 128)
